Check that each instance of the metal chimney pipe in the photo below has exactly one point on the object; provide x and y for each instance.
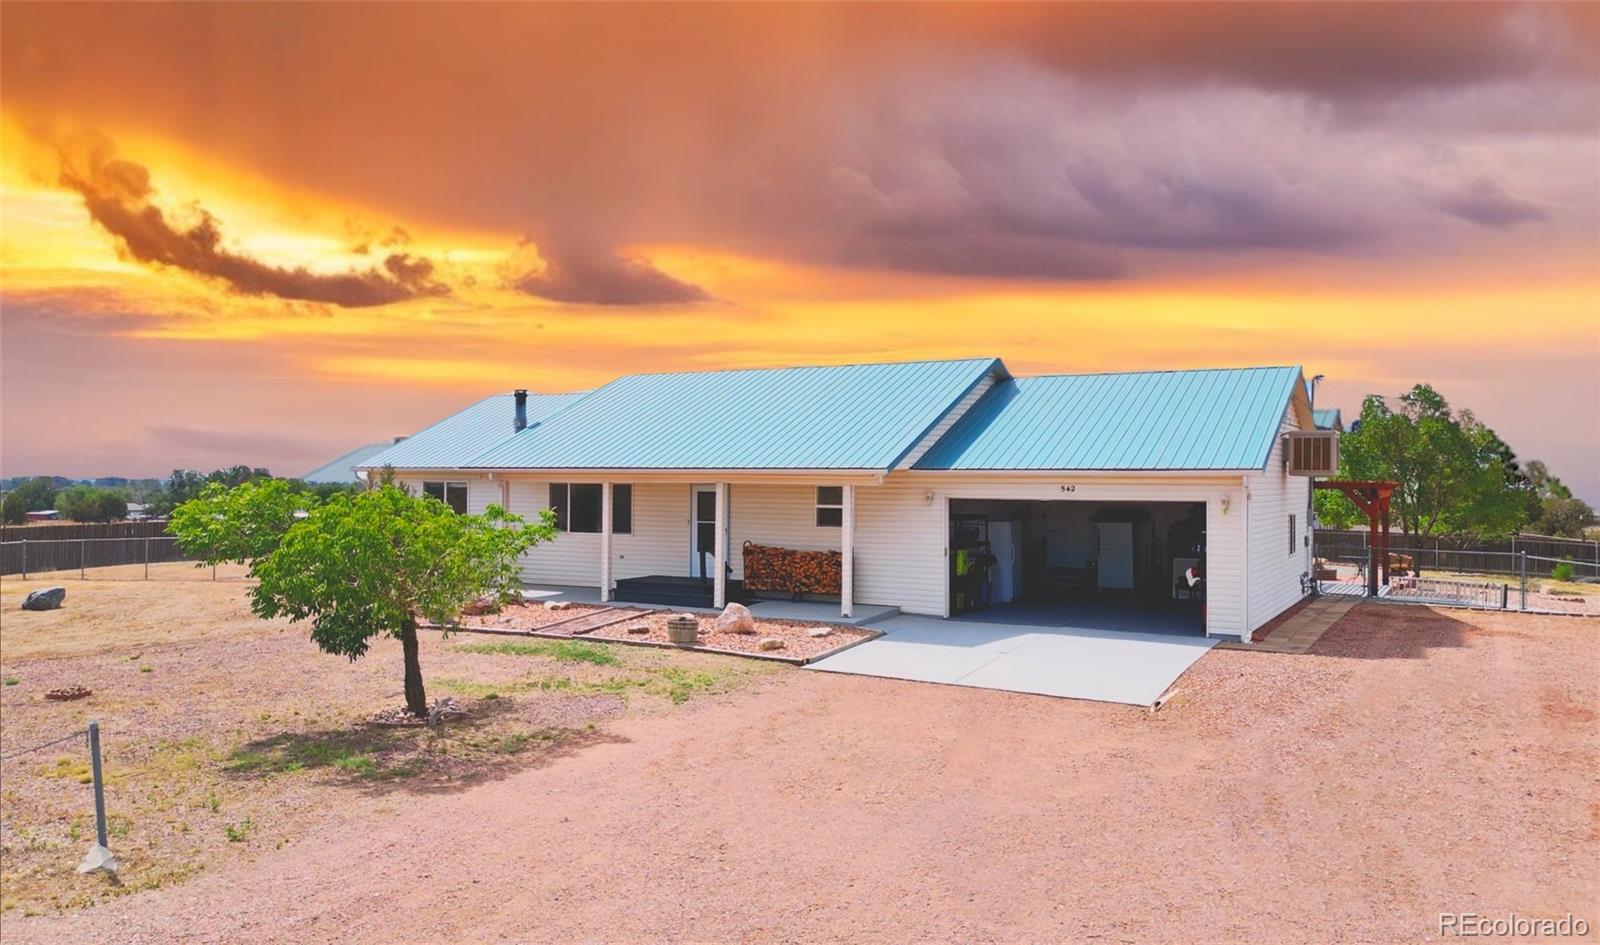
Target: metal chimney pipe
(521, 420)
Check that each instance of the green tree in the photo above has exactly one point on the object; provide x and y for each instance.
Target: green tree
(38, 493)
(371, 563)
(91, 504)
(1455, 475)
(238, 525)
(15, 509)
(1564, 517)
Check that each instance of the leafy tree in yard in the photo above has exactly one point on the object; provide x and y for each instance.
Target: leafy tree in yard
(15, 509)
(238, 525)
(37, 494)
(374, 563)
(1455, 474)
(91, 504)
(1566, 518)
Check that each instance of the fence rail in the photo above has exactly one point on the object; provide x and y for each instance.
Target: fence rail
(1434, 554)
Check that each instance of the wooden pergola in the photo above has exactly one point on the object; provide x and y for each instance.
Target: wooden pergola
(1372, 497)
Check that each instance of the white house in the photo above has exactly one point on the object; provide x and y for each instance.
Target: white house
(943, 487)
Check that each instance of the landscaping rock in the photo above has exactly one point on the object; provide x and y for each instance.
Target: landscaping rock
(68, 693)
(558, 604)
(45, 598)
(821, 631)
(736, 618)
(771, 643)
(639, 628)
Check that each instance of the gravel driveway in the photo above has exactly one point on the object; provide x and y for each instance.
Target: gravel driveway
(1415, 761)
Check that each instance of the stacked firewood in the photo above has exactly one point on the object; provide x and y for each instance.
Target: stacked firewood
(769, 568)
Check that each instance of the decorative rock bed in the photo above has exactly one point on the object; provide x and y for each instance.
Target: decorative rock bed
(794, 641)
(68, 693)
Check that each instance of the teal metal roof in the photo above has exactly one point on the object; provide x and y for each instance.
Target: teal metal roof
(1181, 420)
(456, 439)
(343, 468)
(863, 416)
(1329, 419)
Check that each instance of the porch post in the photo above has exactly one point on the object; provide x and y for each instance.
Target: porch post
(605, 541)
(720, 585)
(847, 553)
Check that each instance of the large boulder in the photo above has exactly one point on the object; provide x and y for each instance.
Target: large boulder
(736, 618)
(45, 598)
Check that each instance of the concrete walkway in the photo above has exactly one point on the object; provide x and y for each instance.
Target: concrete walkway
(1300, 632)
(1070, 662)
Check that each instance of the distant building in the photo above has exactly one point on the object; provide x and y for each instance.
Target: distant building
(1329, 419)
(44, 515)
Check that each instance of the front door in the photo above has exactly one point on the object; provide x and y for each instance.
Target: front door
(703, 532)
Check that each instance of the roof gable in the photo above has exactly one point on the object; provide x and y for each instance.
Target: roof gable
(343, 468)
(453, 441)
(862, 416)
(1223, 419)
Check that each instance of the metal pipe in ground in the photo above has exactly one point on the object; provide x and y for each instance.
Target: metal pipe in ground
(99, 784)
(1522, 566)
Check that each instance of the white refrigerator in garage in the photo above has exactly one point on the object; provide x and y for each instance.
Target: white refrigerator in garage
(1005, 540)
(1116, 555)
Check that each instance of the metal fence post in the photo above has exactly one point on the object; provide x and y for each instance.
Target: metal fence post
(147, 557)
(24, 559)
(99, 784)
(83, 559)
(1522, 567)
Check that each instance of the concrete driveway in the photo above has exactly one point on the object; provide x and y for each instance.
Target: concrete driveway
(1072, 662)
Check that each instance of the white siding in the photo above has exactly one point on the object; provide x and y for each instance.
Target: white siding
(947, 421)
(901, 535)
(781, 515)
(1275, 569)
(659, 543)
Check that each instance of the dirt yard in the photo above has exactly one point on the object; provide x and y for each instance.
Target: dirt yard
(1416, 761)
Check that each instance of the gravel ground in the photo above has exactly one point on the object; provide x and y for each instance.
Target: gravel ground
(1415, 761)
(796, 635)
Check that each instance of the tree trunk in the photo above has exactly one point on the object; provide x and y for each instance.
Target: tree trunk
(416, 699)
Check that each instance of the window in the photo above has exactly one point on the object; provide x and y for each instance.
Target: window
(1292, 548)
(830, 506)
(453, 494)
(578, 507)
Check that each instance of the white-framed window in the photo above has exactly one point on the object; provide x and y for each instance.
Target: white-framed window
(453, 494)
(1292, 537)
(830, 506)
(578, 506)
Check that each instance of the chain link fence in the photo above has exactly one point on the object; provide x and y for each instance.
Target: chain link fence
(1495, 580)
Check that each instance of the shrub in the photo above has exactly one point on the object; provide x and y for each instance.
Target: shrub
(91, 504)
(15, 509)
(1563, 571)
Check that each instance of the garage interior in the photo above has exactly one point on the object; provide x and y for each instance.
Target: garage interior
(1122, 566)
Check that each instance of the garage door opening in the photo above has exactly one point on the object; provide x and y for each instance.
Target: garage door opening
(1121, 566)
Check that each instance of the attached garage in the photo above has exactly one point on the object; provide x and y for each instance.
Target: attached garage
(1132, 566)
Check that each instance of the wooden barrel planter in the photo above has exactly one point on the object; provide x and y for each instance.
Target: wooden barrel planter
(683, 629)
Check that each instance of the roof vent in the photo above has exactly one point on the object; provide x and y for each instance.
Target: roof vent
(519, 422)
(1311, 453)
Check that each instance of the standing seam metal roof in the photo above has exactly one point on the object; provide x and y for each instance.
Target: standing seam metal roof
(1223, 419)
(863, 416)
(453, 441)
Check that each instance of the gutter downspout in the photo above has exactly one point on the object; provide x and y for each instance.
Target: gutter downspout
(1248, 636)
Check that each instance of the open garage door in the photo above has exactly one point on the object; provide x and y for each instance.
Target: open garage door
(1119, 566)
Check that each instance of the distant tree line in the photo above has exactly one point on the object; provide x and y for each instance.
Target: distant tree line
(1455, 475)
(107, 499)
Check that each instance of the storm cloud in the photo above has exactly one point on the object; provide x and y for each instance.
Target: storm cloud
(1073, 142)
(118, 196)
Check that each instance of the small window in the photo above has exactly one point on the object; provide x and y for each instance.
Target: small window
(453, 494)
(830, 506)
(1292, 541)
(578, 507)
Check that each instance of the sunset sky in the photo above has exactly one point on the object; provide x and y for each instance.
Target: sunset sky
(269, 233)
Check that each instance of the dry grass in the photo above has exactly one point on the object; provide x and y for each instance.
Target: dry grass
(226, 736)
